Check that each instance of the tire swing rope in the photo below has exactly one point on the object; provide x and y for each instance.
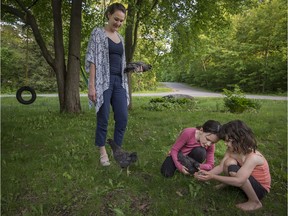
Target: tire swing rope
(26, 87)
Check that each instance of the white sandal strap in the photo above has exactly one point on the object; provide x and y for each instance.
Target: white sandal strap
(104, 162)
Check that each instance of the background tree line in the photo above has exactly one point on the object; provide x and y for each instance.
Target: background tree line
(211, 44)
(248, 49)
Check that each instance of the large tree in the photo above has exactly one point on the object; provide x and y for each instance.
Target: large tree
(67, 74)
(172, 20)
(138, 11)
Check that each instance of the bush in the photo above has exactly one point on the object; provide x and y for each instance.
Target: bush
(166, 103)
(236, 102)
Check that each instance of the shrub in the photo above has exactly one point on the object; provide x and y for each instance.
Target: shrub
(166, 103)
(236, 102)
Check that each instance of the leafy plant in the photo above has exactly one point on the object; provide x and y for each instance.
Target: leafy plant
(236, 102)
(170, 103)
(194, 189)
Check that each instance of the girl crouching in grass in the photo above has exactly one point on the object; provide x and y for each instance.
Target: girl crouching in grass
(244, 166)
(197, 143)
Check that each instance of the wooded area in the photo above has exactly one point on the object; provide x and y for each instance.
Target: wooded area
(210, 44)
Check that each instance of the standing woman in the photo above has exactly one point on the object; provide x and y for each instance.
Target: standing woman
(105, 61)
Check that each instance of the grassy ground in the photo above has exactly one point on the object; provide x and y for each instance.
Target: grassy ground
(50, 165)
(160, 88)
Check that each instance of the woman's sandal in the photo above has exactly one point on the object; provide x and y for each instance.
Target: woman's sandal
(104, 160)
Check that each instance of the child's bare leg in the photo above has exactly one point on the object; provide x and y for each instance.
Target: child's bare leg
(227, 163)
(253, 202)
(220, 186)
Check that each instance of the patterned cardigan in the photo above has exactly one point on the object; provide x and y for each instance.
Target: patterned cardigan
(98, 54)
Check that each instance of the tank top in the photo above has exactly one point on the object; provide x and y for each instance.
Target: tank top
(262, 174)
(115, 57)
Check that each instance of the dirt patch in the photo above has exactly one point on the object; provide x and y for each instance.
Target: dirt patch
(120, 200)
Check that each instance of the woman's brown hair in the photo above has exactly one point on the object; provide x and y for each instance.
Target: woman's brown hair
(114, 7)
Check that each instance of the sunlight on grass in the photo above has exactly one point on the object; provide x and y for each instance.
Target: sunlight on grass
(50, 165)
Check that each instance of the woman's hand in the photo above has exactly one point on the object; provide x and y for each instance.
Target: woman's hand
(203, 175)
(92, 94)
(139, 69)
(91, 87)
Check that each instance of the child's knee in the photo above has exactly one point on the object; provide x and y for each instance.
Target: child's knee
(167, 173)
(166, 170)
(230, 161)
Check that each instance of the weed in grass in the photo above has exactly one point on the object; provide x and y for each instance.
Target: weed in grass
(117, 211)
(194, 189)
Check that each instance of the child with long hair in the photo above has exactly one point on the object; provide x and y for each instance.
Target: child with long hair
(244, 166)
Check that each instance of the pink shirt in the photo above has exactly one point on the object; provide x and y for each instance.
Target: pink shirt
(186, 142)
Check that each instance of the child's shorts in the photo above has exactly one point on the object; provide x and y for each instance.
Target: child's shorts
(258, 188)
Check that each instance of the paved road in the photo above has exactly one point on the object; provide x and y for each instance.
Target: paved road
(179, 88)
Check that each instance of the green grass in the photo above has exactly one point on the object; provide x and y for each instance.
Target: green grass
(50, 165)
(160, 88)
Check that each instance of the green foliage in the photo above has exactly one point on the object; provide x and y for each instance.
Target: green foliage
(236, 102)
(17, 57)
(171, 104)
(239, 51)
(210, 44)
(50, 165)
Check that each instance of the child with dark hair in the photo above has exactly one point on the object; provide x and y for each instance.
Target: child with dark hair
(244, 166)
(197, 143)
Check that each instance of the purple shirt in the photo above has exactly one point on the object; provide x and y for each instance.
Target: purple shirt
(186, 142)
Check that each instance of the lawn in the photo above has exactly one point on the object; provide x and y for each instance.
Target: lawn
(50, 165)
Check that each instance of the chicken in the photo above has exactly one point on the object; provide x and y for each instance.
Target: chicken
(191, 164)
(123, 158)
(135, 66)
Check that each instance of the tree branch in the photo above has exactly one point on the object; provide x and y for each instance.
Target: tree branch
(22, 6)
(153, 6)
(30, 20)
(13, 11)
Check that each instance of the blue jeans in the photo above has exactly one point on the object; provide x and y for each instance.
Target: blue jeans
(116, 96)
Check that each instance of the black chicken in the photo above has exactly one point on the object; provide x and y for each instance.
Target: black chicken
(191, 164)
(123, 158)
(134, 67)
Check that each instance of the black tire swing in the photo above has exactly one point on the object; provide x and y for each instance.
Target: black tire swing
(26, 88)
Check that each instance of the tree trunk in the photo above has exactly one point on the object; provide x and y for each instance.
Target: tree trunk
(129, 45)
(72, 96)
(59, 62)
(131, 35)
(67, 81)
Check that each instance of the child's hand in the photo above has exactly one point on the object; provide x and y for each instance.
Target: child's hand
(202, 175)
(185, 170)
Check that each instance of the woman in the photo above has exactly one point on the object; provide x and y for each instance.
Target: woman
(105, 60)
(197, 143)
(244, 166)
